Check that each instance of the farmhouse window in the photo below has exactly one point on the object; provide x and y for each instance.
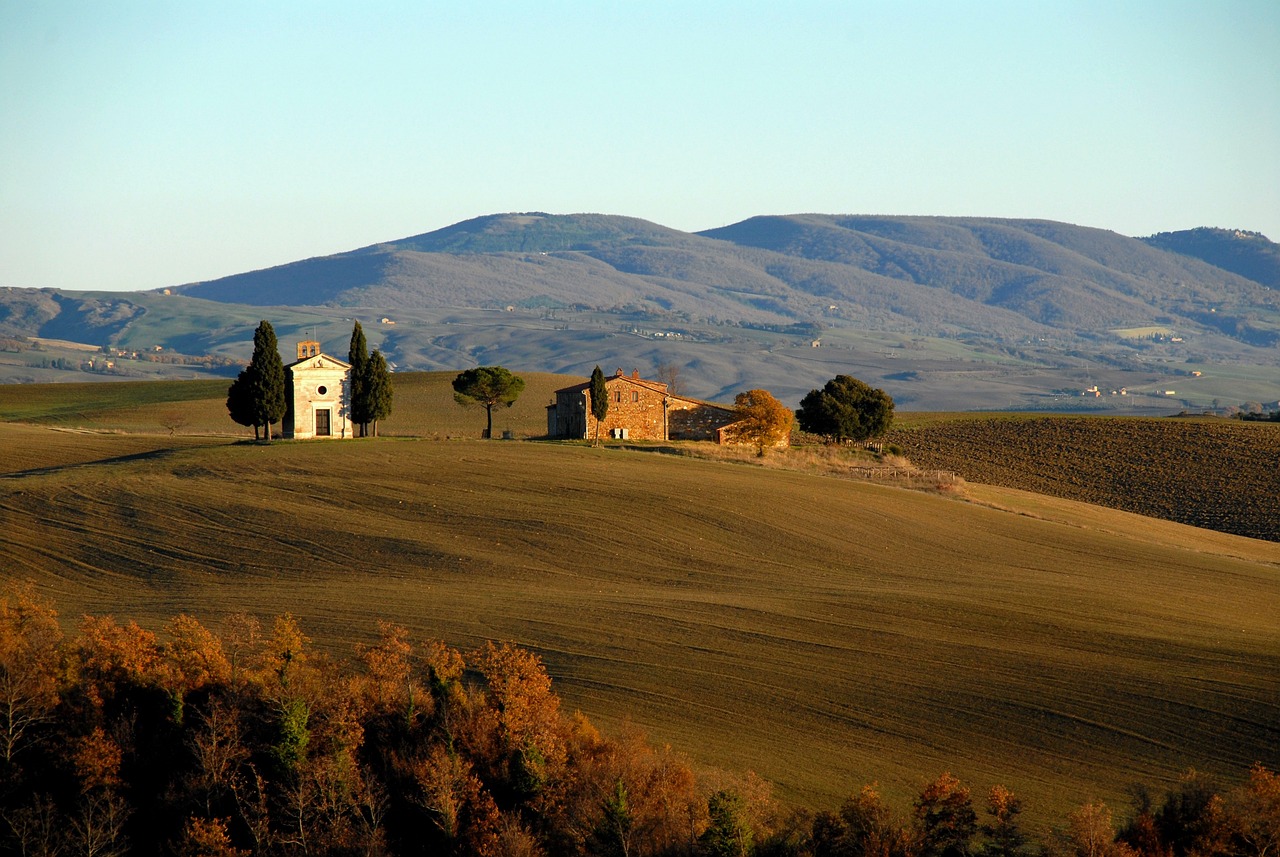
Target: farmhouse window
(635, 395)
(617, 396)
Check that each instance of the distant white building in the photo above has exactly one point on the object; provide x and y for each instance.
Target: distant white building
(318, 395)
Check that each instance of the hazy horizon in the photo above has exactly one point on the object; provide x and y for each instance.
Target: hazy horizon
(154, 146)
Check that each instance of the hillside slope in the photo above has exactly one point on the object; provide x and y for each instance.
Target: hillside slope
(1249, 254)
(1217, 474)
(974, 274)
(820, 631)
(943, 313)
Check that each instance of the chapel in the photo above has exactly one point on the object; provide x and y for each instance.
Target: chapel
(318, 395)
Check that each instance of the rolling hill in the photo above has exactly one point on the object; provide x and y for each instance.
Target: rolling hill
(918, 273)
(824, 632)
(944, 313)
(1213, 473)
(1249, 254)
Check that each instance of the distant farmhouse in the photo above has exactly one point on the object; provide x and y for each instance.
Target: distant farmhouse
(318, 395)
(638, 410)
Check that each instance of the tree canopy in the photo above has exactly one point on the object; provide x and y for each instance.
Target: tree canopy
(763, 421)
(846, 409)
(489, 386)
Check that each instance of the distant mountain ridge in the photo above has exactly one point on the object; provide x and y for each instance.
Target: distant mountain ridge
(943, 312)
(1249, 254)
(936, 274)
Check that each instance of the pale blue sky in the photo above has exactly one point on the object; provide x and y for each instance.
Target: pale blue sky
(146, 144)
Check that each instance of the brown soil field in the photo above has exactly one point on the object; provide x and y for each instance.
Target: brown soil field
(1219, 474)
(824, 632)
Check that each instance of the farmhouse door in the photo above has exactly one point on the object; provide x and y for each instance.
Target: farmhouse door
(322, 422)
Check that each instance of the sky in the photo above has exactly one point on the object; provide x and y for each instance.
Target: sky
(150, 144)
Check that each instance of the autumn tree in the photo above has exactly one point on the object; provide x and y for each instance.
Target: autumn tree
(116, 660)
(31, 654)
(97, 826)
(599, 400)
(945, 819)
(1090, 833)
(864, 827)
(488, 386)
(761, 420)
(191, 659)
(846, 409)
(1258, 807)
(528, 740)
(207, 837)
(1193, 819)
(1004, 836)
(390, 685)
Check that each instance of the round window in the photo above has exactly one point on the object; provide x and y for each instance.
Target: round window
(322, 390)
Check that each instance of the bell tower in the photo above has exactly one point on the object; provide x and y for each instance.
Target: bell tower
(308, 348)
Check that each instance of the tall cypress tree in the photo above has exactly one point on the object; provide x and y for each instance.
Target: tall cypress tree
(599, 400)
(264, 379)
(377, 389)
(358, 357)
(239, 405)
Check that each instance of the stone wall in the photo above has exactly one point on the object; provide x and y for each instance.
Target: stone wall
(692, 420)
(634, 408)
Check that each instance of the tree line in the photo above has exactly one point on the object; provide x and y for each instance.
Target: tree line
(117, 741)
(258, 397)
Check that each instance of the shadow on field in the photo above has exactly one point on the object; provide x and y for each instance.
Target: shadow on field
(154, 454)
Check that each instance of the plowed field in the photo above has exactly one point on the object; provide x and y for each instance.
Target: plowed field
(1218, 474)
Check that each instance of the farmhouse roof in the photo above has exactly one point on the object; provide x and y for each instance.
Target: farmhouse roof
(633, 378)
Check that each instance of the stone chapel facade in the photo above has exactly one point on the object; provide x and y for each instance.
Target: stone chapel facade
(318, 395)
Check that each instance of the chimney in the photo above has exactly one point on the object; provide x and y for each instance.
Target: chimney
(618, 374)
(635, 373)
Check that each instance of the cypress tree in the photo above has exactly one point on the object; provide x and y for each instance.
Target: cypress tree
(376, 385)
(599, 400)
(264, 377)
(239, 405)
(358, 357)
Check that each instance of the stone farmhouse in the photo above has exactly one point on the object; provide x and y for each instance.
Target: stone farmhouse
(638, 410)
(318, 395)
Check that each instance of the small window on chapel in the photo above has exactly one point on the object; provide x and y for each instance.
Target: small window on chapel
(322, 389)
